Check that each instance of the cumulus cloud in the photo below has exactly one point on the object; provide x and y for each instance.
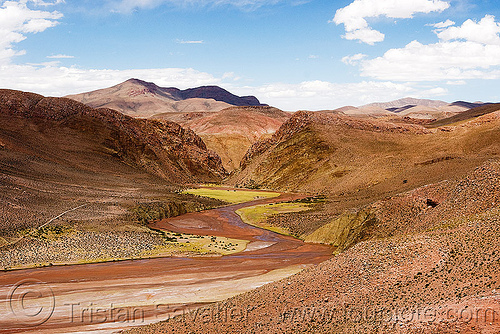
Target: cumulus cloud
(51, 79)
(354, 16)
(485, 31)
(469, 51)
(17, 20)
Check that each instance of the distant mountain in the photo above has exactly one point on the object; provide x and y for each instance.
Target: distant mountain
(143, 99)
(231, 132)
(468, 105)
(406, 102)
(216, 93)
(411, 109)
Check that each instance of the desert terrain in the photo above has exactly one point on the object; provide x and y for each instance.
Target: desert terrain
(207, 212)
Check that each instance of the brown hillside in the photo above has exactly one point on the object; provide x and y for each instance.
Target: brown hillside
(138, 98)
(428, 263)
(467, 115)
(342, 155)
(56, 153)
(231, 132)
(160, 147)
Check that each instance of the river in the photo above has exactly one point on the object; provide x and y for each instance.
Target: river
(106, 297)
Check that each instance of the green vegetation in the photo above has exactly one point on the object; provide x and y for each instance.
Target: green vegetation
(146, 213)
(149, 212)
(231, 196)
(49, 232)
(257, 215)
(177, 243)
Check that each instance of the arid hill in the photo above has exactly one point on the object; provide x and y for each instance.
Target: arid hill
(138, 98)
(321, 152)
(56, 153)
(231, 132)
(467, 115)
(411, 109)
(427, 262)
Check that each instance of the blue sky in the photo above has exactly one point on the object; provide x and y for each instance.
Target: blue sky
(293, 54)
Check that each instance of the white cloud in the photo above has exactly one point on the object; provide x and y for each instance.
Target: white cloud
(354, 59)
(441, 25)
(181, 41)
(17, 20)
(470, 51)
(435, 62)
(366, 35)
(313, 57)
(60, 56)
(353, 16)
(485, 31)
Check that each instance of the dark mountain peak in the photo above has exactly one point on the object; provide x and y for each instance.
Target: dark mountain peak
(218, 94)
(203, 92)
(466, 104)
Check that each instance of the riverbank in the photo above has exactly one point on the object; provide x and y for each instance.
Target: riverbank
(171, 283)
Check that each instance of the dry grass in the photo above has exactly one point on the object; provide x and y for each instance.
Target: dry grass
(231, 196)
(258, 215)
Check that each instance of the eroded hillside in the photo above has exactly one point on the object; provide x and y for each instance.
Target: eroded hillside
(340, 155)
(427, 263)
(77, 170)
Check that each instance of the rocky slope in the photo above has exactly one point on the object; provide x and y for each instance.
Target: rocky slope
(231, 131)
(57, 154)
(340, 155)
(138, 98)
(427, 263)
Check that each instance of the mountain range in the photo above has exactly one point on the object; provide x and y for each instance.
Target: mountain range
(143, 99)
(405, 193)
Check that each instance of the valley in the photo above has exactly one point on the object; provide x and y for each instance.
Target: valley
(163, 287)
(237, 217)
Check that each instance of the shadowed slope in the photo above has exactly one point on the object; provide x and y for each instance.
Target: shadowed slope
(467, 115)
(56, 154)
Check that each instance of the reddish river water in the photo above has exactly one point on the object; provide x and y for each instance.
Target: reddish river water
(107, 297)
